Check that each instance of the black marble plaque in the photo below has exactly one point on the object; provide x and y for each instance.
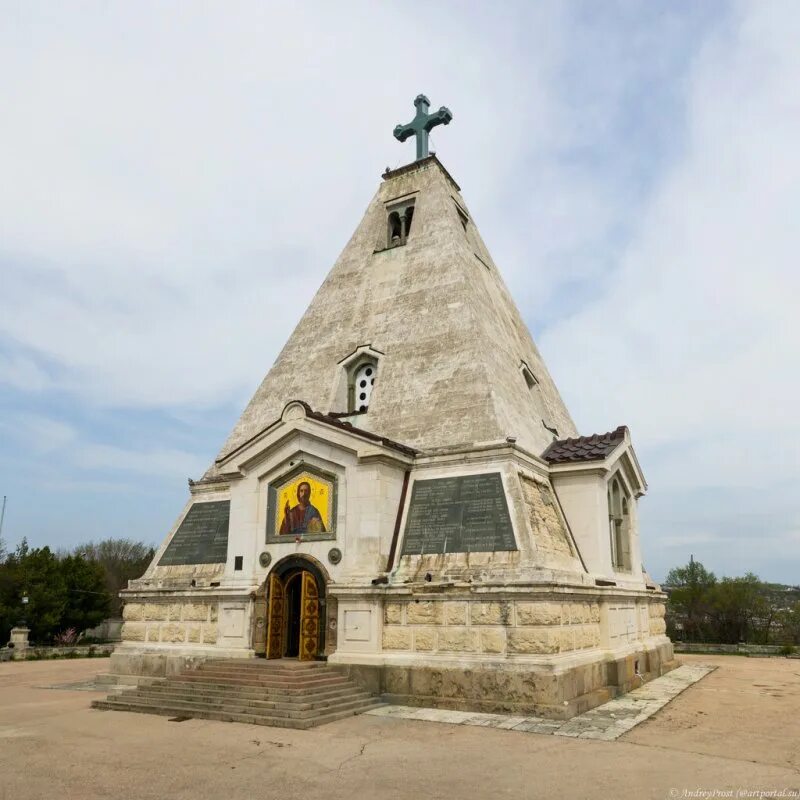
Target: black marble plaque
(466, 514)
(202, 537)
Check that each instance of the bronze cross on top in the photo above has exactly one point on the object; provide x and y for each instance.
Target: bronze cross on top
(422, 124)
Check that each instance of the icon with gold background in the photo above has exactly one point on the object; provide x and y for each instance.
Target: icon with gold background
(303, 504)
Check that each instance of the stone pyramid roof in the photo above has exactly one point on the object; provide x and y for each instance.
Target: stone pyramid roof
(457, 364)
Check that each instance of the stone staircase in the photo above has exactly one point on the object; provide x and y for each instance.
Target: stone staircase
(281, 693)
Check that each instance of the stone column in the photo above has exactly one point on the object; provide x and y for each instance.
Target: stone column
(19, 641)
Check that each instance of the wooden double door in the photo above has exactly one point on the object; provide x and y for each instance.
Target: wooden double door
(293, 616)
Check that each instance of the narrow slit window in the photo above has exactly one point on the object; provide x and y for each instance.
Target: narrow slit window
(395, 229)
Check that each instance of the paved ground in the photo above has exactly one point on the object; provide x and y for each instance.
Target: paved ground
(737, 729)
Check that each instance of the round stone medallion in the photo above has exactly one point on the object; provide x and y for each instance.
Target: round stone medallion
(334, 555)
(265, 559)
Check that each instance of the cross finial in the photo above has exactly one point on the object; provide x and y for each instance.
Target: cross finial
(422, 124)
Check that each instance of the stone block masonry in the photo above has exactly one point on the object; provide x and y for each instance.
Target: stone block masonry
(170, 622)
(496, 627)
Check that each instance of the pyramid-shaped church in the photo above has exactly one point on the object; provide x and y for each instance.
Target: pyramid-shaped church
(406, 494)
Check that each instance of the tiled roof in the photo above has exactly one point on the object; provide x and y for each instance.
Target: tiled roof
(333, 420)
(584, 448)
(328, 419)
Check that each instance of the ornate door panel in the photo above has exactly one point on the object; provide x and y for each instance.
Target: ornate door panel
(309, 618)
(275, 617)
(259, 633)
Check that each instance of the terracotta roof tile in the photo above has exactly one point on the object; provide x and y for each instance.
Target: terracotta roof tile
(584, 448)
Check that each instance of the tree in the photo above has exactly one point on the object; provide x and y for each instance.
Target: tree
(735, 606)
(689, 600)
(789, 620)
(88, 602)
(121, 561)
(62, 592)
(39, 577)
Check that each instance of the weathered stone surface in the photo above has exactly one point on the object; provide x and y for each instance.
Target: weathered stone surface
(173, 633)
(579, 613)
(133, 632)
(455, 613)
(393, 613)
(549, 533)
(490, 613)
(475, 315)
(195, 612)
(133, 612)
(533, 640)
(193, 633)
(155, 611)
(174, 612)
(657, 609)
(396, 639)
(657, 626)
(493, 640)
(425, 612)
(594, 612)
(586, 636)
(536, 613)
(424, 640)
(210, 633)
(566, 639)
(459, 640)
(214, 612)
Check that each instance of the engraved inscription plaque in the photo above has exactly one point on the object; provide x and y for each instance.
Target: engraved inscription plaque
(466, 514)
(202, 537)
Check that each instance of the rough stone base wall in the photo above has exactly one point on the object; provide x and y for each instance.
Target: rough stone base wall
(506, 689)
(170, 622)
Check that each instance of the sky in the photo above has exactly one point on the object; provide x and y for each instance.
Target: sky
(178, 178)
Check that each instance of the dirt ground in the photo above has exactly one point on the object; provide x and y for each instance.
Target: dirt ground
(737, 730)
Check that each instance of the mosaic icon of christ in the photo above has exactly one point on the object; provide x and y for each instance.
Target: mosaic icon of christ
(303, 517)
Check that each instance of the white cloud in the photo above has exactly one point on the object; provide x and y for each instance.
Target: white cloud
(157, 462)
(65, 449)
(177, 183)
(182, 182)
(22, 372)
(695, 341)
(38, 433)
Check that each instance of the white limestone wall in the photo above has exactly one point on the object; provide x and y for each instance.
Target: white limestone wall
(583, 499)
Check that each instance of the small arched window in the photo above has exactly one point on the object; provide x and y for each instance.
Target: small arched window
(619, 526)
(399, 223)
(362, 381)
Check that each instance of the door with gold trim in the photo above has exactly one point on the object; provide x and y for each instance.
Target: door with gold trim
(259, 628)
(309, 618)
(275, 617)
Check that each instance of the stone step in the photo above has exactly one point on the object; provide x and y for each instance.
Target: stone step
(254, 672)
(223, 716)
(255, 689)
(302, 702)
(285, 694)
(277, 683)
(264, 664)
(300, 676)
(190, 704)
(228, 690)
(293, 674)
